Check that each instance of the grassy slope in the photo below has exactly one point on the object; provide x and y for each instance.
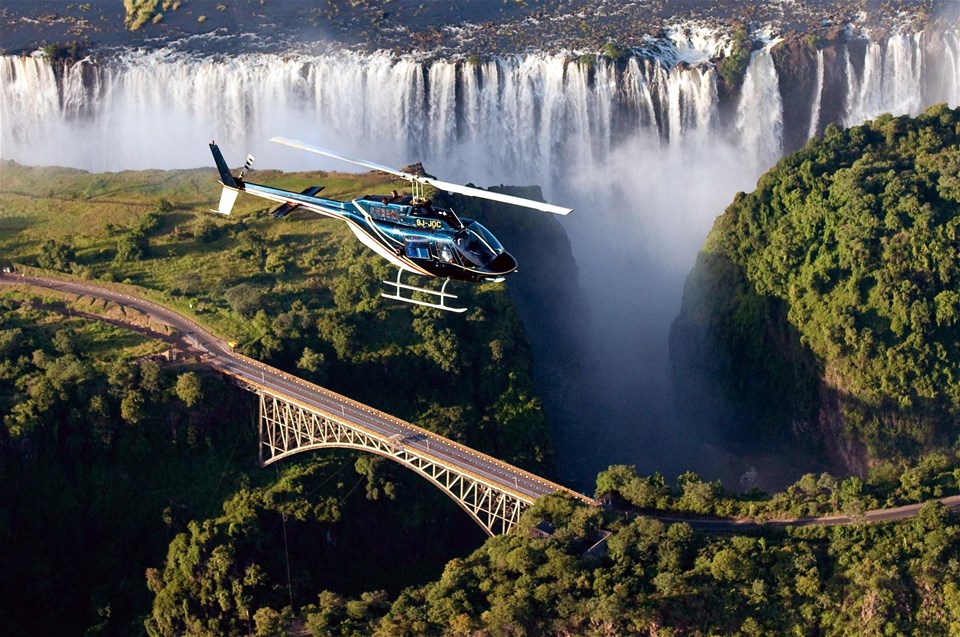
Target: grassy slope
(91, 211)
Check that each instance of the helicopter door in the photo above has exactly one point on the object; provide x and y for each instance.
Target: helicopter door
(444, 252)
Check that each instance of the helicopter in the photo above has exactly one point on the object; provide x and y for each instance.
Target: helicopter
(408, 231)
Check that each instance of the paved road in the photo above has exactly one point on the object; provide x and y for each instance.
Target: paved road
(217, 354)
(730, 525)
(876, 515)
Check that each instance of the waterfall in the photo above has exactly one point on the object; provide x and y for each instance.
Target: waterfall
(944, 50)
(29, 99)
(442, 108)
(760, 112)
(692, 98)
(892, 80)
(817, 98)
(635, 88)
(540, 116)
(649, 150)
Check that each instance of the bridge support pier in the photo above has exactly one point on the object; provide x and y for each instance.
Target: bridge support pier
(287, 427)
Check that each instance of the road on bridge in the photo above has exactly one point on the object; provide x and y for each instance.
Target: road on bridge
(218, 354)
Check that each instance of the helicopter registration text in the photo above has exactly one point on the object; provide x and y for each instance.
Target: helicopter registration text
(433, 224)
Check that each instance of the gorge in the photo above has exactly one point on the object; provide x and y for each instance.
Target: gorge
(648, 144)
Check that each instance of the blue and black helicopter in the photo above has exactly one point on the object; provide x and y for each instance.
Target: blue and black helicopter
(409, 231)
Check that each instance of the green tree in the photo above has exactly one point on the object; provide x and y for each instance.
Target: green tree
(56, 255)
(189, 389)
(245, 299)
(268, 623)
(697, 495)
(132, 407)
(310, 361)
(64, 341)
(133, 246)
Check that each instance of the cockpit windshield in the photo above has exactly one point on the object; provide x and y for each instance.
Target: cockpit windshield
(477, 245)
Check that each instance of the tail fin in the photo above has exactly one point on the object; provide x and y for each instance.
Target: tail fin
(231, 187)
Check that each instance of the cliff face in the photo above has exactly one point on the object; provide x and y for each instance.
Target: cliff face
(832, 76)
(824, 304)
(811, 82)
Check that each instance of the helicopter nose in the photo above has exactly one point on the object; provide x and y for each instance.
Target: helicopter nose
(503, 264)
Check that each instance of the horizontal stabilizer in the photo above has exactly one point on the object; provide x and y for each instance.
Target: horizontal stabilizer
(284, 209)
(228, 197)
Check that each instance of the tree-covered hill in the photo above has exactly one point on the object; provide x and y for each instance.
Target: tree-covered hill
(652, 578)
(826, 303)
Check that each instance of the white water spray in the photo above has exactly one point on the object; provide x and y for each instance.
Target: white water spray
(760, 113)
(817, 98)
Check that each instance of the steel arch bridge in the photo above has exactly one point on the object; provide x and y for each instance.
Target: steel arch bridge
(288, 426)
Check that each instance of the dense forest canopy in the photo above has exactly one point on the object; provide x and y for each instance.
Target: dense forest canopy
(830, 296)
(658, 579)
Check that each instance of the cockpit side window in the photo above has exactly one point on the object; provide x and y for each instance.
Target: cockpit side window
(473, 248)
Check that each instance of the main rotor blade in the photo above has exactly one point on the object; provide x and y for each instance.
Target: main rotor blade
(296, 143)
(441, 185)
(496, 196)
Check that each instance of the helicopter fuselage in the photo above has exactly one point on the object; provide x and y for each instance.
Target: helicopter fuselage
(412, 234)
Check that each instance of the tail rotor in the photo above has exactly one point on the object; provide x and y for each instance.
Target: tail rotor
(247, 166)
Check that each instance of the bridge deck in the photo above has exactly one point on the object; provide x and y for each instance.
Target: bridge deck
(523, 484)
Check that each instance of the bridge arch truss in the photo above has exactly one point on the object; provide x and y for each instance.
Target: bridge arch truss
(287, 428)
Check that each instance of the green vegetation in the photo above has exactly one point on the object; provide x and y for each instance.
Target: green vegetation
(68, 52)
(587, 60)
(733, 66)
(138, 12)
(109, 461)
(300, 293)
(613, 51)
(652, 578)
(826, 300)
(887, 485)
(130, 490)
(280, 288)
(97, 464)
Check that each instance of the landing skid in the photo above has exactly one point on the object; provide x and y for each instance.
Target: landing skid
(442, 294)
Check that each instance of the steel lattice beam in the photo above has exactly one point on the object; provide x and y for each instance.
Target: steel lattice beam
(287, 428)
